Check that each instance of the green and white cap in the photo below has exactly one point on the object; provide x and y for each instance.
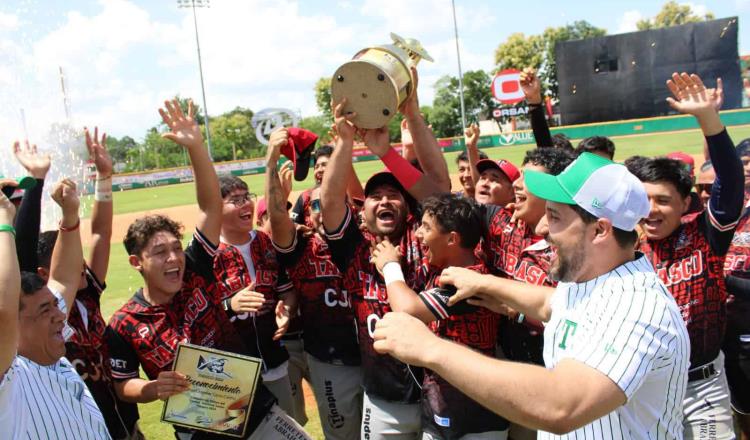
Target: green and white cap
(603, 188)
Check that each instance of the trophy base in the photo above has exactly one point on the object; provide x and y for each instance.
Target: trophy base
(369, 90)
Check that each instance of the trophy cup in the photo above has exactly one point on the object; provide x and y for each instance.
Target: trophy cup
(377, 80)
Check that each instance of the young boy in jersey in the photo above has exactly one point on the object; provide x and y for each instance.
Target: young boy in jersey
(180, 301)
(391, 388)
(450, 230)
(328, 334)
(246, 266)
(85, 349)
(688, 255)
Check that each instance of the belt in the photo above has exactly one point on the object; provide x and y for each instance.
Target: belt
(702, 373)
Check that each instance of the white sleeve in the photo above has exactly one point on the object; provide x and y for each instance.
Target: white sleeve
(10, 402)
(632, 331)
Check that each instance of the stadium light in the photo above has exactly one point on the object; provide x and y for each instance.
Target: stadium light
(199, 4)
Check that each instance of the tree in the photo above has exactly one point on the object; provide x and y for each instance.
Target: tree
(234, 136)
(673, 14)
(323, 96)
(445, 115)
(577, 31)
(520, 51)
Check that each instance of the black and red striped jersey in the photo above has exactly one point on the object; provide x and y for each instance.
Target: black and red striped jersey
(329, 329)
(447, 412)
(383, 376)
(233, 275)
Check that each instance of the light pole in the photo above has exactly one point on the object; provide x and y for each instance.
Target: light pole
(460, 73)
(199, 4)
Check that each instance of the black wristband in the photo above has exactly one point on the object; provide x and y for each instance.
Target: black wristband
(227, 306)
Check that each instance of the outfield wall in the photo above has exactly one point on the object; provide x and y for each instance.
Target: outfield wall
(122, 182)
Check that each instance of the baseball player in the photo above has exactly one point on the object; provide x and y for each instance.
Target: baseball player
(450, 230)
(688, 253)
(329, 339)
(615, 346)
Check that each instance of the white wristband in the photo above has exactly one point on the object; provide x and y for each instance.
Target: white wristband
(392, 272)
(103, 190)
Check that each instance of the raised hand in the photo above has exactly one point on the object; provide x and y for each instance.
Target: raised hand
(410, 106)
(406, 138)
(37, 164)
(691, 96)
(377, 140)
(384, 253)
(531, 86)
(98, 152)
(66, 197)
(719, 91)
(278, 139)
(170, 383)
(184, 128)
(343, 126)
(472, 136)
(7, 208)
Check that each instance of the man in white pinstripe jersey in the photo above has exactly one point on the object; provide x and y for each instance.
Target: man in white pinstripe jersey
(615, 346)
(41, 394)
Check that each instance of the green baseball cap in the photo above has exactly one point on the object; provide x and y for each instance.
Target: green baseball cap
(603, 188)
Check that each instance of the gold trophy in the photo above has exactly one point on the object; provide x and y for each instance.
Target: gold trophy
(377, 80)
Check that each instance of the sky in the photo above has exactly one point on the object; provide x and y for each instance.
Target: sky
(122, 58)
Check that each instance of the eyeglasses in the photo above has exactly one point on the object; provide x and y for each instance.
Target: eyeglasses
(704, 187)
(240, 201)
(315, 205)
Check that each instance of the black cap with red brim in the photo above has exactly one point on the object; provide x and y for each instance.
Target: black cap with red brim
(24, 183)
(298, 149)
(387, 178)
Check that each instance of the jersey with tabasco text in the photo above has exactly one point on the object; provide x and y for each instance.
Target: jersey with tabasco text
(145, 335)
(503, 240)
(326, 308)
(384, 377)
(694, 274)
(737, 262)
(234, 274)
(447, 412)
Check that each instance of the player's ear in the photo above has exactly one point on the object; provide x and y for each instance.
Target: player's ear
(603, 229)
(135, 262)
(454, 238)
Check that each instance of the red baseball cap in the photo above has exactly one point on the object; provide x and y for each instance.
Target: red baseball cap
(684, 158)
(260, 207)
(298, 149)
(510, 170)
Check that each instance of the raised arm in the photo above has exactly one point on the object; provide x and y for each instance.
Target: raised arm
(725, 205)
(10, 282)
(29, 214)
(185, 132)
(332, 192)
(486, 290)
(102, 212)
(67, 257)
(282, 228)
(472, 151)
(426, 147)
(532, 89)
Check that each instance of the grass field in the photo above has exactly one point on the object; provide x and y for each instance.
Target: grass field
(122, 280)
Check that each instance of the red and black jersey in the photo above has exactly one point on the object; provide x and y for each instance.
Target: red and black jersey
(329, 330)
(301, 210)
(234, 275)
(504, 239)
(145, 335)
(513, 250)
(737, 262)
(88, 353)
(383, 376)
(690, 262)
(447, 412)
